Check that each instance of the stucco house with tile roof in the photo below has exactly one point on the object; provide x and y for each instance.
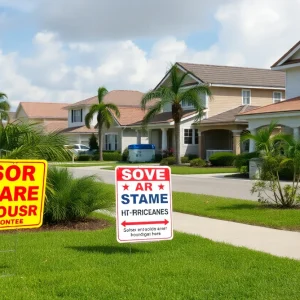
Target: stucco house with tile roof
(287, 113)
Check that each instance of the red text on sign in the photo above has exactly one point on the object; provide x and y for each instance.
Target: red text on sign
(14, 173)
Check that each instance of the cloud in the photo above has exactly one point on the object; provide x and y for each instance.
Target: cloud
(94, 20)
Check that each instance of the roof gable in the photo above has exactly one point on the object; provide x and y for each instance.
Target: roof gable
(43, 110)
(292, 56)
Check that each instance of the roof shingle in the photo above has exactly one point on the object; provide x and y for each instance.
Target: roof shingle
(239, 76)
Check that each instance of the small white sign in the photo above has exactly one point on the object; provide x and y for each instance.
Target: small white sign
(143, 204)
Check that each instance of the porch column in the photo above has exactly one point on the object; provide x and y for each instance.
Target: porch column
(236, 147)
(149, 136)
(251, 142)
(164, 145)
(138, 136)
(199, 144)
(296, 133)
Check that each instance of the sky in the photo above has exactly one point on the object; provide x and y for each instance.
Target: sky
(62, 51)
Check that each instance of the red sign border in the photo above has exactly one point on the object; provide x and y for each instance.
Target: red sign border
(171, 204)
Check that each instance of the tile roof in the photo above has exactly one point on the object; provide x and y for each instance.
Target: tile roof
(117, 97)
(166, 117)
(238, 76)
(285, 55)
(56, 126)
(44, 110)
(79, 129)
(289, 105)
(130, 115)
(228, 116)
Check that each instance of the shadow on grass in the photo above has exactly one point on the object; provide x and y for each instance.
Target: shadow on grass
(240, 207)
(107, 249)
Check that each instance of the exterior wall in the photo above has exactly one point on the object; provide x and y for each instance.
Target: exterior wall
(77, 138)
(129, 137)
(225, 98)
(21, 114)
(292, 82)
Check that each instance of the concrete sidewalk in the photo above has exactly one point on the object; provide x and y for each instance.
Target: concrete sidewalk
(277, 242)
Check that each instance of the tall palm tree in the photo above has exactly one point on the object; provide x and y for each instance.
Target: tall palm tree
(104, 113)
(174, 95)
(4, 108)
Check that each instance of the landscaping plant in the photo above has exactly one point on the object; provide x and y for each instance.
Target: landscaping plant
(72, 199)
(93, 143)
(105, 117)
(174, 95)
(222, 159)
(4, 108)
(197, 162)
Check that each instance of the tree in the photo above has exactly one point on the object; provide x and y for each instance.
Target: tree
(93, 142)
(105, 118)
(278, 152)
(4, 108)
(174, 95)
(29, 141)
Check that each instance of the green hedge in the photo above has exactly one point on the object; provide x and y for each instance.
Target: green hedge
(185, 160)
(222, 159)
(84, 157)
(168, 161)
(241, 161)
(197, 162)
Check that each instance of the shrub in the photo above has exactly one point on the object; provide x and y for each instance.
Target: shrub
(222, 159)
(72, 199)
(168, 161)
(93, 144)
(84, 157)
(184, 160)
(158, 157)
(241, 161)
(112, 156)
(125, 155)
(192, 156)
(197, 162)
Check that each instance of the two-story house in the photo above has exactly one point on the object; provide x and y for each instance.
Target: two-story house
(287, 113)
(234, 89)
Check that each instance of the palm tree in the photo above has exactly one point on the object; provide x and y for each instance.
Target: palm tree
(21, 140)
(104, 113)
(4, 108)
(174, 95)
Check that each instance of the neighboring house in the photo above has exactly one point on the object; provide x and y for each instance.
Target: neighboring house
(121, 134)
(234, 89)
(287, 113)
(52, 116)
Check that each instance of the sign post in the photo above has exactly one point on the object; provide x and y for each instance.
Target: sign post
(143, 204)
(22, 193)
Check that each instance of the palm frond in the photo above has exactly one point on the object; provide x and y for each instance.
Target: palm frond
(106, 118)
(113, 108)
(102, 91)
(153, 111)
(162, 93)
(89, 116)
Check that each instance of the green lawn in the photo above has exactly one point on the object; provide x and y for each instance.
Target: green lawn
(84, 164)
(92, 265)
(242, 211)
(186, 170)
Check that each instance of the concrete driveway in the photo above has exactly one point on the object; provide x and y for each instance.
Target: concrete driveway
(209, 184)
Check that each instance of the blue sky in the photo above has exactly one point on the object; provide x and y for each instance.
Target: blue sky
(53, 50)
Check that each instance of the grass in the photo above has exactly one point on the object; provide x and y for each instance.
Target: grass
(187, 170)
(92, 265)
(84, 164)
(242, 211)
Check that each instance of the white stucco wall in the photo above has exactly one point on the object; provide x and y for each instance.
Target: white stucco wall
(292, 82)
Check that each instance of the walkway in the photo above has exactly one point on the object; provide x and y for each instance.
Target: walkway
(276, 242)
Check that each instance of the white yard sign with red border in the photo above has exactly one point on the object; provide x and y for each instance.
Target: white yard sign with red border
(143, 204)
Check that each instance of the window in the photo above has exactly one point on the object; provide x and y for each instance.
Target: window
(191, 136)
(186, 103)
(76, 115)
(277, 97)
(246, 95)
(111, 141)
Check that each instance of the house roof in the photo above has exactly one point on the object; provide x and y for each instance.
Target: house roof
(55, 126)
(166, 117)
(239, 76)
(285, 56)
(284, 106)
(228, 116)
(79, 129)
(117, 97)
(129, 115)
(44, 110)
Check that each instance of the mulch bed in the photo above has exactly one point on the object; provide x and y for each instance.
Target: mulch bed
(89, 224)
